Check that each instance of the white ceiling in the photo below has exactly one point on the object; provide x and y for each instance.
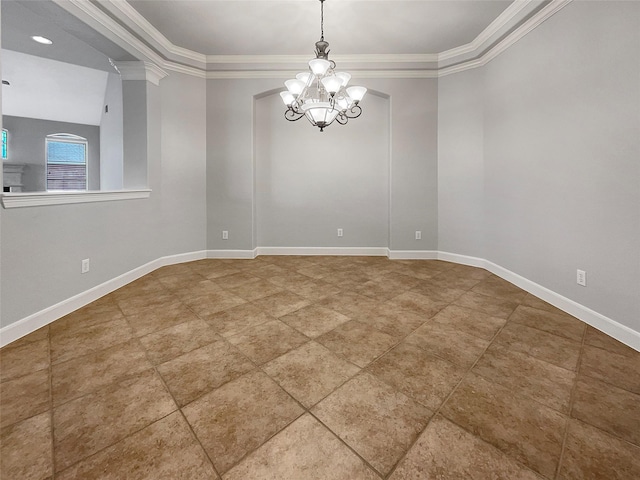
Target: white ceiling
(276, 27)
(51, 90)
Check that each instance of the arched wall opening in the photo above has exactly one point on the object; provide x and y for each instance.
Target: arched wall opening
(308, 184)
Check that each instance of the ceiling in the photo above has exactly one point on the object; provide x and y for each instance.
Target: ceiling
(276, 27)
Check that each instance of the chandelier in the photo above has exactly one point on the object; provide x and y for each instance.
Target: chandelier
(321, 94)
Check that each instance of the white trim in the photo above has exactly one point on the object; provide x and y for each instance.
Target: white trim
(172, 57)
(44, 317)
(136, 70)
(39, 319)
(336, 251)
(237, 254)
(39, 199)
(413, 254)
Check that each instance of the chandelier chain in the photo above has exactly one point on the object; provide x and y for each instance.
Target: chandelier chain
(322, 20)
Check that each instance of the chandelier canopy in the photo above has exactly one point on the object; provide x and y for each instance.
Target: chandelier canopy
(321, 94)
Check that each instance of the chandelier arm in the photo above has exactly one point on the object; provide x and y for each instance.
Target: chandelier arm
(291, 115)
(354, 112)
(342, 119)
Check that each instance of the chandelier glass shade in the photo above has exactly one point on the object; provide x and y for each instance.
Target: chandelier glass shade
(322, 94)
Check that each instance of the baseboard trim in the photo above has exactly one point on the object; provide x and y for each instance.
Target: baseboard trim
(39, 319)
(329, 251)
(413, 254)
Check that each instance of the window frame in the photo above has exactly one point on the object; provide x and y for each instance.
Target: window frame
(73, 139)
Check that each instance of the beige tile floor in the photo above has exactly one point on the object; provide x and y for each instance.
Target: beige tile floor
(319, 368)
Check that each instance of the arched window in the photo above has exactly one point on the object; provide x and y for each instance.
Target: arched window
(66, 162)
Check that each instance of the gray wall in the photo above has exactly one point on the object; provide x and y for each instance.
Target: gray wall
(233, 127)
(27, 145)
(42, 247)
(309, 183)
(548, 135)
(111, 133)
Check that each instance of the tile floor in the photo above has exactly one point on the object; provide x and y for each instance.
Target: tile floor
(319, 368)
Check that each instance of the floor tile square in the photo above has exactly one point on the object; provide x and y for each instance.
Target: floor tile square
(24, 397)
(25, 449)
(238, 319)
(591, 454)
(267, 341)
(523, 429)
(314, 290)
(446, 451)
(350, 304)
(164, 449)
(494, 306)
(207, 305)
(304, 450)
(16, 361)
(76, 343)
(82, 375)
(419, 304)
(88, 424)
(561, 324)
(623, 371)
(163, 345)
(87, 316)
(254, 290)
(596, 338)
(240, 416)
(310, 372)
(358, 342)
(609, 408)
(497, 287)
(438, 290)
(448, 343)
(470, 321)
(193, 374)
(551, 348)
(377, 421)
(281, 303)
(519, 372)
(156, 318)
(420, 376)
(314, 320)
(391, 319)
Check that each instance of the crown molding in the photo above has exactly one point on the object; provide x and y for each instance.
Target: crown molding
(137, 70)
(130, 30)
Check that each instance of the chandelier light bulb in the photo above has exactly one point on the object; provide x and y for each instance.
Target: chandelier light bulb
(356, 93)
(304, 77)
(287, 98)
(319, 66)
(345, 77)
(332, 84)
(294, 86)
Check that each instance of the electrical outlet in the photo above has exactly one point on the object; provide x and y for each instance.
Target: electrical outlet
(85, 266)
(581, 278)
(339, 232)
(418, 235)
(225, 235)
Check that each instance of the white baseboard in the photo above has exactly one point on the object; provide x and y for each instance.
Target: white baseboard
(232, 254)
(39, 319)
(337, 251)
(413, 254)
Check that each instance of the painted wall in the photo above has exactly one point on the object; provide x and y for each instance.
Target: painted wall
(235, 123)
(539, 154)
(42, 247)
(461, 222)
(310, 183)
(27, 145)
(111, 134)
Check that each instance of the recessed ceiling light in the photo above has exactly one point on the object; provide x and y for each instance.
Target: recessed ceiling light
(5, 82)
(43, 40)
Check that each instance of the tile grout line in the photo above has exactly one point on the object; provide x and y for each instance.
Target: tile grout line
(571, 402)
(437, 411)
(53, 456)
